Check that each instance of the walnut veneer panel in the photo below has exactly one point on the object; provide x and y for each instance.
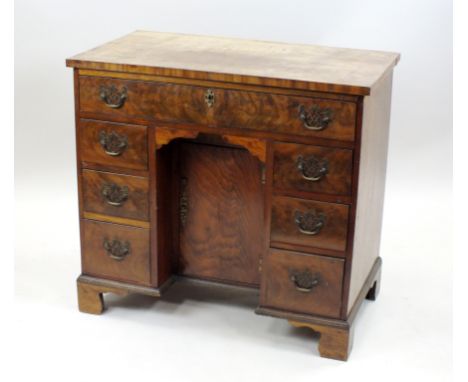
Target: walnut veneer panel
(286, 230)
(303, 283)
(222, 234)
(115, 194)
(113, 144)
(239, 109)
(312, 168)
(301, 66)
(97, 260)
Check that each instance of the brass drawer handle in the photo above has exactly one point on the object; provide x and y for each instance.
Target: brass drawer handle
(116, 249)
(312, 168)
(309, 222)
(113, 143)
(114, 194)
(112, 97)
(209, 98)
(304, 281)
(316, 118)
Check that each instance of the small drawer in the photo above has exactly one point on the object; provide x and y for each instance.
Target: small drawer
(116, 252)
(285, 114)
(215, 107)
(309, 223)
(302, 283)
(312, 168)
(116, 195)
(113, 144)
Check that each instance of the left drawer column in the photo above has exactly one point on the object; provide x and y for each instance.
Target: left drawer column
(114, 178)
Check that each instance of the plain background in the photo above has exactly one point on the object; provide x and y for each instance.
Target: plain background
(198, 334)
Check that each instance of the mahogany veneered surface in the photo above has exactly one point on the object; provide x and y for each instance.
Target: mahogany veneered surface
(299, 66)
(134, 156)
(284, 229)
(223, 236)
(232, 108)
(287, 176)
(134, 207)
(281, 292)
(133, 268)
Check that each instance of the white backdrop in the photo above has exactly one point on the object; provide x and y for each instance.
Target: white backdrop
(409, 327)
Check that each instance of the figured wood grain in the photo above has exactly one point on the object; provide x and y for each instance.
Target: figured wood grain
(164, 135)
(281, 292)
(371, 186)
(158, 101)
(297, 66)
(134, 156)
(332, 236)
(134, 207)
(134, 268)
(372, 279)
(217, 84)
(223, 235)
(256, 147)
(287, 176)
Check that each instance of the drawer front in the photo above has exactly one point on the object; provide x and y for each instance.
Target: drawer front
(113, 144)
(296, 115)
(309, 223)
(115, 251)
(116, 195)
(312, 168)
(144, 100)
(303, 283)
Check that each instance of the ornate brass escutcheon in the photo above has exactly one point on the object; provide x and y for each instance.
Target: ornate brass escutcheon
(312, 168)
(112, 97)
(304, 281)
(309, 222)
(316, 118)
(209, 98)
(116, 249)
(113, 143)
(114, 194)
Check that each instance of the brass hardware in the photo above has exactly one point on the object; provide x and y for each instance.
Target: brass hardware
(310, 222)
(116, 249)
(113, 143)
(209, 98)
(315, 118)
(112, 97)
(114, 194)
(304, 281)
(183, 202)
(312, 168)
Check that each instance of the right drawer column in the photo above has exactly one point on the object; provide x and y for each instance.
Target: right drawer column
(312, 193)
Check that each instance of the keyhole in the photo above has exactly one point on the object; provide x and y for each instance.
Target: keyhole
(209, 97)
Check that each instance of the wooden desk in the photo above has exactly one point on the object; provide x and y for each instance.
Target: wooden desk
(242, 162)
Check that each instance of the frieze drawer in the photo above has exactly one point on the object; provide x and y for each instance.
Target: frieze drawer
(297, 115)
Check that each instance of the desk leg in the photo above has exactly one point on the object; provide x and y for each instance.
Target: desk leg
(334, 342)
(375, 288)
(90, 297)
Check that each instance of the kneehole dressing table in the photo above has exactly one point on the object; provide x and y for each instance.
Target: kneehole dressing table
(248, 163)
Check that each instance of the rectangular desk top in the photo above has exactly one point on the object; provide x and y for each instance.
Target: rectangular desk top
(307, 67)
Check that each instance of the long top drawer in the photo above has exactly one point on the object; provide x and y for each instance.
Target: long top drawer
(176, 103)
